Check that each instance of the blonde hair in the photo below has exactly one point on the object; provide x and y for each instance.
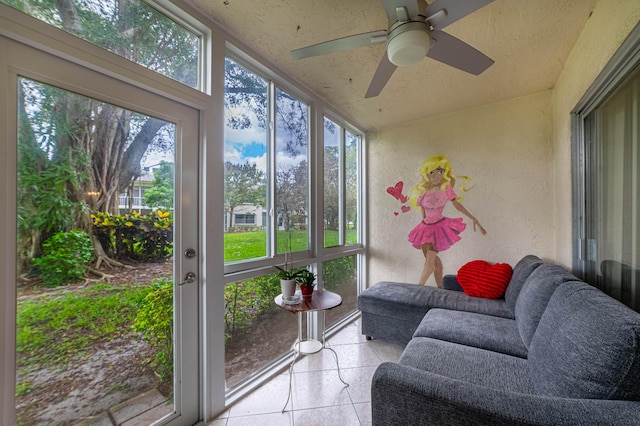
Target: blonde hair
(448, 178)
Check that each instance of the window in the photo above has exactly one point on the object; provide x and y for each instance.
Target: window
(352, 187)
(269, 170)
(266, 166)
(266, 176)
(245, 156)
(341, 185)
(291, 173)
(245, 219)
(607, 181)
(132, 29)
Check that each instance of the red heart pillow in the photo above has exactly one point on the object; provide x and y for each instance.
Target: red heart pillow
(481, 279)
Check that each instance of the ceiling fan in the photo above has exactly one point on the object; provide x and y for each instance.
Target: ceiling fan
(412, 35)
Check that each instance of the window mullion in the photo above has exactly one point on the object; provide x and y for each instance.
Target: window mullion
(342, 195)
(271, 171)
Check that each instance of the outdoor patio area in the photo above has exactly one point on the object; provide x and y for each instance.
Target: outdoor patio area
(318, 395)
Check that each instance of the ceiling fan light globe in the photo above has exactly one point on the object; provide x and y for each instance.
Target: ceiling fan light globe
(409, 47)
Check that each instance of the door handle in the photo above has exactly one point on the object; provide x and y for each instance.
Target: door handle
(189, 277)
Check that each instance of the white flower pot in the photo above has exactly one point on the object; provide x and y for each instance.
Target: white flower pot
(288, 287)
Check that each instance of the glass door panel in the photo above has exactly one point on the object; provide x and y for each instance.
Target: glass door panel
(106, 322)
(616, 200)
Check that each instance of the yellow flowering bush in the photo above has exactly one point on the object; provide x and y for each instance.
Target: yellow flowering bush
(135, 236)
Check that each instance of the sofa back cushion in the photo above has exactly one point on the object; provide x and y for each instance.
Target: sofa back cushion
(587, 345)
(521, 271)
(534, 296)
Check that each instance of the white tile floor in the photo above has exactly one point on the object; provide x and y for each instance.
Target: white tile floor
(319, 397)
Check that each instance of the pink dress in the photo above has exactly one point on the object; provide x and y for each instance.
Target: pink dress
(442, 232)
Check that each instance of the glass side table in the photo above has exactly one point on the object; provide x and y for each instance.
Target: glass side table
(320, 301)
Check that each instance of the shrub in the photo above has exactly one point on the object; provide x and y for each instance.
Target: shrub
(65, 258)
(155, 321)
(135, 236)
(245, 301)
(338, 272)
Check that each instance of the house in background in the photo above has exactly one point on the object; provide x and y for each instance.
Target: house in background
(245, 217)
(518, 130)
(133, 198)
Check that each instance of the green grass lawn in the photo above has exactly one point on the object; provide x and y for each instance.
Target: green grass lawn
(252, 245)
(53, 329)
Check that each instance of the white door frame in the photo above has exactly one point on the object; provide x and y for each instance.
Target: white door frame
(17, 59)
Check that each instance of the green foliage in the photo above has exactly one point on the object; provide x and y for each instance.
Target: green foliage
(287, 274)
(65, 258)
(54, 330)
(244, 245)
(243, 184)
(134, 236)
(160, 195)
(246, 301)
(252, 245)
(155, 321)
(339, 271)
(23, 388)
(134, 30)
(44, 191)
(306, 277)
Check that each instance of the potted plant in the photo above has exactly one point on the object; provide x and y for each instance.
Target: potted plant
(287, 280)
(287, 274)
(307, 280)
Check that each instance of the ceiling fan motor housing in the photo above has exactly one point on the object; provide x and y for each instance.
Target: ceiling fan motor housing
(408, 42)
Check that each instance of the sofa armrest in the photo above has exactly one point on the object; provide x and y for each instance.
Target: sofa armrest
(406, 395)
(450, 282)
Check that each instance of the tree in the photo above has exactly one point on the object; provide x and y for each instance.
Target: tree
(161, 192)
(331, 187)
(100, 143)
(244, 92)
(351, 178)
(291, 195)
(243, 184)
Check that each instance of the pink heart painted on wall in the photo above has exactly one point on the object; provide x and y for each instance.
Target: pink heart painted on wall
(405, 209)
(396, 192)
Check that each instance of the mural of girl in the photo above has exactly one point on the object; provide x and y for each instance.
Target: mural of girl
(436, 233)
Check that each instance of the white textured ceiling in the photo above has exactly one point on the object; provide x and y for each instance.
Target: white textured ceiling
(529, 40)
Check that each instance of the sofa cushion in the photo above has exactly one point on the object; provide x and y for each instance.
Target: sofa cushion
(479, 278)
(478, 366)
(587, 345)
(450, 282)
(521, 272)
(411, 301)
(468, 328)
(535, 295)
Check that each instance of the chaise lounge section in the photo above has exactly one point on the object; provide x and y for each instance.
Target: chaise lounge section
(392, 311)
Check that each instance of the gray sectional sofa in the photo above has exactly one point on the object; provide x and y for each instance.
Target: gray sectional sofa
(554, 351)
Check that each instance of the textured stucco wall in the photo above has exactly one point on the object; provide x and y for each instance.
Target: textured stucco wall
(518, 153)
(604, 32)
(507, 150)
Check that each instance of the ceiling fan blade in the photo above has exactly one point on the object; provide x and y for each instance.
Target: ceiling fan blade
(382, 75)
(456, 53)
(413, 8)
(344, 43)
(455, 9)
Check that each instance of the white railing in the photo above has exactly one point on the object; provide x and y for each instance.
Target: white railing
(138, 202)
